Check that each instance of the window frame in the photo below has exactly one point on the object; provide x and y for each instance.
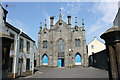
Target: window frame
(78, 41)
(28, 47)
(12, 44)
(44, 43)
(21, 50)
(92, 46)
(27, 66)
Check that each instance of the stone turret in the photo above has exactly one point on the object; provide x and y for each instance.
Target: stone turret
(75, 20)
(76, 26)
(60, 15)
(45, 27)
(83, 24)
(40, 28)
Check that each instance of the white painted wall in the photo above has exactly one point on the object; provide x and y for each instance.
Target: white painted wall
(33, 48)
(98, 46)
(24, 54)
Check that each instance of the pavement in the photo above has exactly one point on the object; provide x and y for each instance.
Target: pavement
(69, 73)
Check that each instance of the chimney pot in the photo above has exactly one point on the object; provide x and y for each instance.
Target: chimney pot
(69, 19)
(51, 20)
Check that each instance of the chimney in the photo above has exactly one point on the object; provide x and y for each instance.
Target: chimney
(95, 38)
(51, 20)
(69, 19)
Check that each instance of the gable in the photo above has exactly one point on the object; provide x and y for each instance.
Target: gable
(96, 42)
(60, 23)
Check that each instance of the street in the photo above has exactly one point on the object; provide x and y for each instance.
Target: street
(69, 73)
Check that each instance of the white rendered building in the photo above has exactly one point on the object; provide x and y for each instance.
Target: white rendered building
(95, 46)
(23, 50)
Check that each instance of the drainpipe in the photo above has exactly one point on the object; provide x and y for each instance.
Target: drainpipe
(15, 55)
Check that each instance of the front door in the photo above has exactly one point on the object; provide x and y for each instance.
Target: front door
(34, 63)
(61, 63)
(20, 67)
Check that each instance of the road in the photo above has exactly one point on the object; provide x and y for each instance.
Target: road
(69, 73)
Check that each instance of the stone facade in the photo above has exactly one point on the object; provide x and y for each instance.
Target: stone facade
(64, 32)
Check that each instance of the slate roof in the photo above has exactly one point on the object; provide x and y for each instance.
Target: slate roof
(18, 31)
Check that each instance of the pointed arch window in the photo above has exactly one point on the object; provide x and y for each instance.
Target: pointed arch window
(45, 44)
(61, 48)
(77, 42)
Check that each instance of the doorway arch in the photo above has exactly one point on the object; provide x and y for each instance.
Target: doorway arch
(45, 59)
(61, 53)
(77, 59)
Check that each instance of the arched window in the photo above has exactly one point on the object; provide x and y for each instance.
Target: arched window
(45, 59)
(77, 59)
(77, 42)
(60, 48)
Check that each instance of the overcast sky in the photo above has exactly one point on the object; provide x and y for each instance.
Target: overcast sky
(98, 16)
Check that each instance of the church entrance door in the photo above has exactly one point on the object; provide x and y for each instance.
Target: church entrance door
(61, 62)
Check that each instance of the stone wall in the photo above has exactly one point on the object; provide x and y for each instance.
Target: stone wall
(68, 35)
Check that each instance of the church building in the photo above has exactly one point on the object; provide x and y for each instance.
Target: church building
(62, 45)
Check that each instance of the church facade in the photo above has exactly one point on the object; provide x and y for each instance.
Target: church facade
(62, 45)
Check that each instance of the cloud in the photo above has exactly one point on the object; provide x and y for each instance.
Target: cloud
(70, 8)
(108, 12)
(47, 17)
(105, 13)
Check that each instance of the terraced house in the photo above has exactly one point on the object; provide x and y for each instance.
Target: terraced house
(62, 45)
(23, 50)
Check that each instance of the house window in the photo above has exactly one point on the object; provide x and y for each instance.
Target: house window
(77, 42)
(21, 45)
(28, 47)
(12, 45)
(28, 64)
(45, 44)
(92, 46)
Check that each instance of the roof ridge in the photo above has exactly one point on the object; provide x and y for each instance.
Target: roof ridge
(18, 31)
